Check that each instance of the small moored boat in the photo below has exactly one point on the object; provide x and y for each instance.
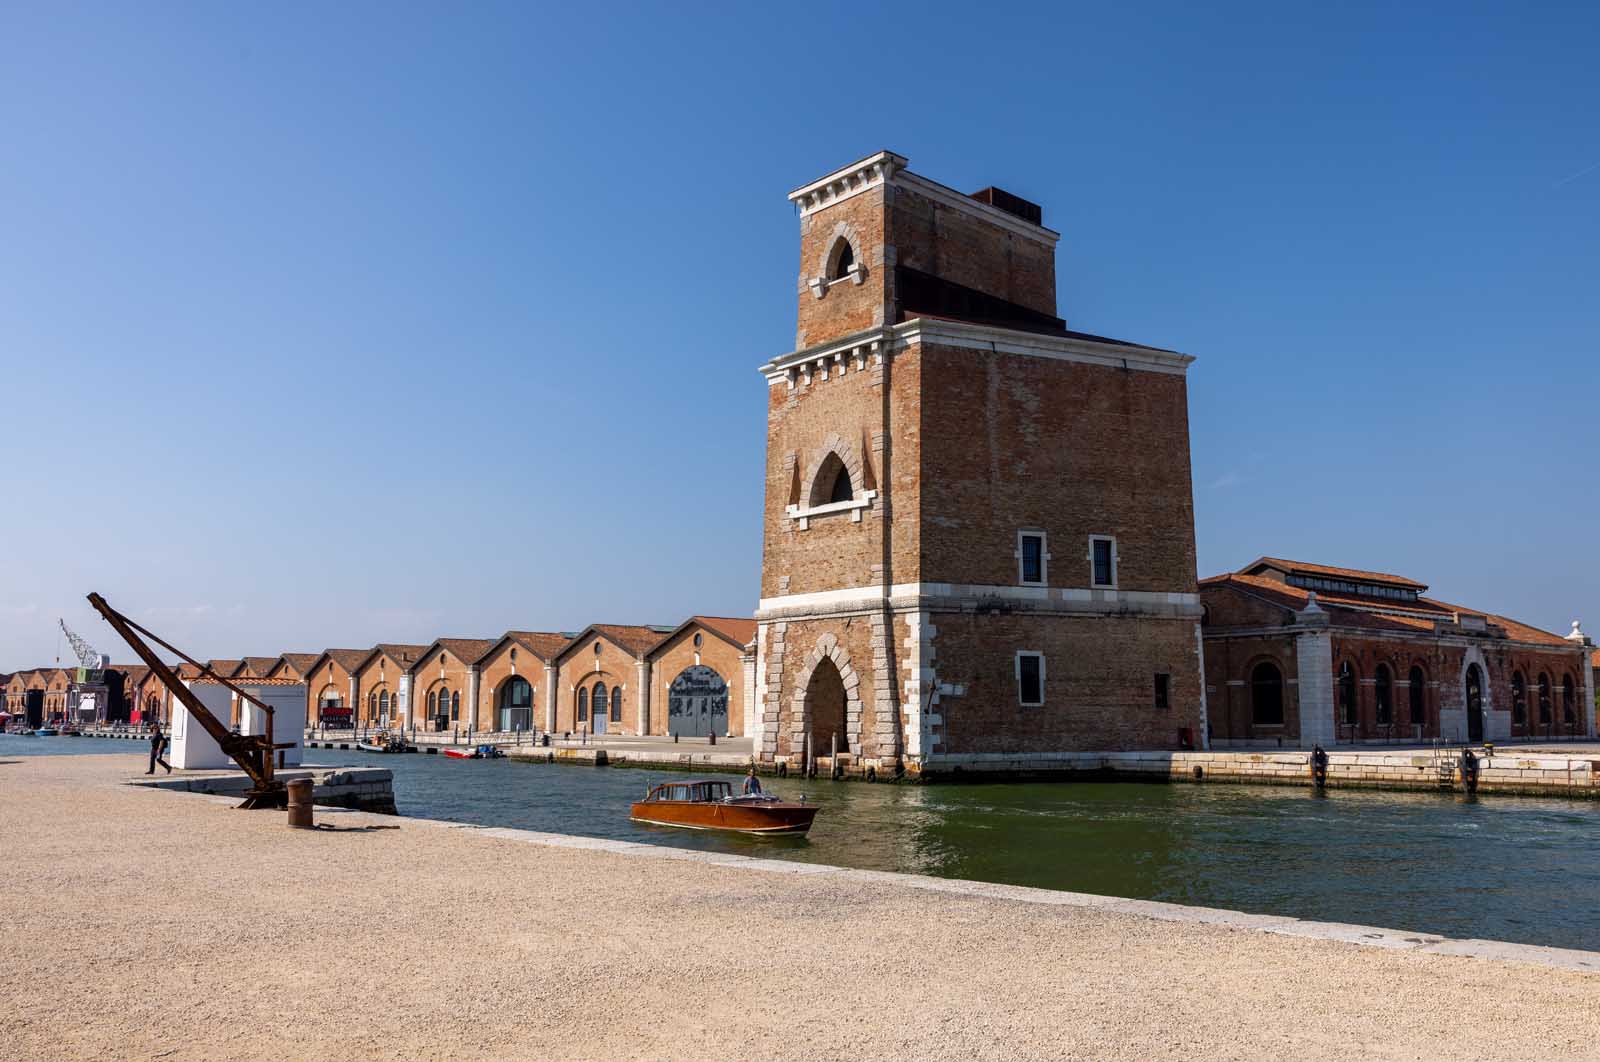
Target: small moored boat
(713, 805)
(481, 752)
(47, 731)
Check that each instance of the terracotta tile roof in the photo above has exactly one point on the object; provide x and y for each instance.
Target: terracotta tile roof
(1419, 615)
(636, 640)
(348, 659)
(736, 629)
(401, 653)
(256, 666)
(468, 650)
(300, 663)
(546, 645)
(1353, 574)
(225, 668)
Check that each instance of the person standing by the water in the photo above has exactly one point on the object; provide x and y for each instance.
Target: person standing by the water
(158, 745)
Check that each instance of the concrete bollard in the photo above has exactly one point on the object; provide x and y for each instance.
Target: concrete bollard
(300, 804)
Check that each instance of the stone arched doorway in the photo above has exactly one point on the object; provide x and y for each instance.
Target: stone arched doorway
(827, 717)
(697, 703)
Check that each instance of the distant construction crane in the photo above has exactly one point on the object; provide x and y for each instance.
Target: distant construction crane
(94, 663)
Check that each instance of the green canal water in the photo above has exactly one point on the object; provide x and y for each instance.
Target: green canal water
(1505, 868)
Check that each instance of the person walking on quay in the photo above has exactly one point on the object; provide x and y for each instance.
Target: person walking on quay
(158, 745)
(752, 784)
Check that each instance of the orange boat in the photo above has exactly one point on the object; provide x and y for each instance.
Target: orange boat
(714, 806)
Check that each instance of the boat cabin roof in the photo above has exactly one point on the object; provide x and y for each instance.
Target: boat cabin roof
(692, 791)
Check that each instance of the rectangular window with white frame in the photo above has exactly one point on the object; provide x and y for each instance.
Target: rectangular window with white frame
(1102, 562)
(1030, 679)
(1033, 559)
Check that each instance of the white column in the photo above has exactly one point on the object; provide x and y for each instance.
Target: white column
(472, 696)
(747, 710)
(403, 710)
(549, 698)
(642, 670)
(1313, 654)
(355, 700)
(1203, 739)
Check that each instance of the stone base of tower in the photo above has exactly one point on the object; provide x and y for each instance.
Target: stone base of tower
(922, 690)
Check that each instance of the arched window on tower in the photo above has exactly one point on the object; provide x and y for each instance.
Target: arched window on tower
(844, 256)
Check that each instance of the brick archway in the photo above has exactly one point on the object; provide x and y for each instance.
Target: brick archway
(827, 648)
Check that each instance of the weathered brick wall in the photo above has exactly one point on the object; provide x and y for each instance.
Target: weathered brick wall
(496, 670)
(436, 672)
(847, 307)
(668, 661)
(847, 641)
(1099, 682)
(375, 677)
(972, 251)
(582, 667)
(328, 678)
(1230, 662)
(878, 438)
(1012, 442)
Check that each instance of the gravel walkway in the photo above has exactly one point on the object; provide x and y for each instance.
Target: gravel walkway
(144, 924)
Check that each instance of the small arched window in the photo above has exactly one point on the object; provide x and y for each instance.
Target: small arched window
(1383, 691)
(1567, 712)
(1419, 697)
(599, 700)
(1266, 695)
(616, 704)
(1544, 700)
(430, 704)
(383, 702)
(455, 706)
(1519, 698)
(844, 256)
(583, 705)
(1347, 694)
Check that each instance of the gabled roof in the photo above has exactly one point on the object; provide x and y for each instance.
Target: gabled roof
(1261, 564)
(299, 663)
(634, 640)
(256, 666)
(546, 645)
(1419, 616)
(735, 630)
(348, 659)
(225, 668)
(467, 650)
(403, 654)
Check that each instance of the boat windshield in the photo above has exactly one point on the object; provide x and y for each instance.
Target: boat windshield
(696, 792)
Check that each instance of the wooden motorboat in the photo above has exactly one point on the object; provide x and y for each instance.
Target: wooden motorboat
(713, 805)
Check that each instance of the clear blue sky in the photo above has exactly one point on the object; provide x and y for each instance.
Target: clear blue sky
(326, 324)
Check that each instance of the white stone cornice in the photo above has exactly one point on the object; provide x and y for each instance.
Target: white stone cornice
(1043, 600)
(877, 343)
(846, 181)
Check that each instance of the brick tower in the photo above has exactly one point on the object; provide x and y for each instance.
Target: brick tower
(979, 528)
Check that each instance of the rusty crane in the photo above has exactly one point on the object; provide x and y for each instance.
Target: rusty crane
(254, 753)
